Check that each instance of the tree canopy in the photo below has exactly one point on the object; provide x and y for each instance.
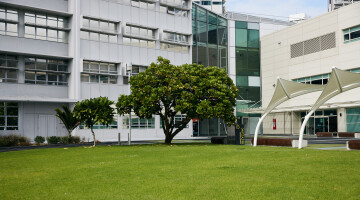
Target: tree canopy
(68, 118)
(94, 111)
(191, 90)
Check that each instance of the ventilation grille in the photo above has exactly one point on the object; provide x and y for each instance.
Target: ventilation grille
(314, 45)
(328, 41)
(297, 50)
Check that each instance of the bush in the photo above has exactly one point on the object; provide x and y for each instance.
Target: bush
(75, 139)
(39, 139)
(65, 140)
(13, 140)
(53, 140)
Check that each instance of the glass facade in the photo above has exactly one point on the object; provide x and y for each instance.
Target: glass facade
(247, 57)
(210, 38)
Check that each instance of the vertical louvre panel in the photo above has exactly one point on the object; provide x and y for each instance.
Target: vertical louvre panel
(297, 50)
(312, 46)
(328, 41)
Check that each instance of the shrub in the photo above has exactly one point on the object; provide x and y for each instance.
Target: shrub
(39, 139)
(65, 140)
(53, 140)
(13, 140)
(75, 139)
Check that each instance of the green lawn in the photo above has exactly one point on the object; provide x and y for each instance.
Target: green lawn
(185, 171)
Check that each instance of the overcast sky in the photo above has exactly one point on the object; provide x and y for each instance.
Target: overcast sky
(282, 8)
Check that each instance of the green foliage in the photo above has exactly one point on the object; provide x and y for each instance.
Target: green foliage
(68, 118)
(39, 140)
(53, 140)
(64, 140)
(13, 140)
(192, 90)
(95, 110)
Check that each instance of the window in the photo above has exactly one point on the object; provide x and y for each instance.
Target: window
(139, 31)
(97, 30)
(177, 121)
(174, 11)
(143, 4)
(9, 113)
(113, 125)
(99, 72)
(174, 48)
(175, 37)
(44, 27)
(206, 3)
(352, 34)
(137, 42)
(217, 3)
(8, 68)
(46, 71)
(99, 25)
(138, 123)
(8, 24)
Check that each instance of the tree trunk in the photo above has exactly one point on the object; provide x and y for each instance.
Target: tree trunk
(69, 137)
(168, 139)
(92, 131)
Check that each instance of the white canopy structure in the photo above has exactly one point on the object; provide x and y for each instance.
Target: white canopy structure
(340, 81)
(284, 91)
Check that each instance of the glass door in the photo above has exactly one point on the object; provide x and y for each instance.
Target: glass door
(321, 124)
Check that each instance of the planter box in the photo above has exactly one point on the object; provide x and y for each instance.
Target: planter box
(346, 134)
(324, 134)
(353, 144)
(284, 142)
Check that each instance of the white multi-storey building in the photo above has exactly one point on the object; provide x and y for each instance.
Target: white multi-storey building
(335, 4)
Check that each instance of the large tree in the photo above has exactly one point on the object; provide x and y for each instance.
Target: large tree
(191, 90)
(94, 111)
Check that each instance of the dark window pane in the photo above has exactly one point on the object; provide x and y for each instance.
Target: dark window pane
(41, 76)
(2, 121)
(213, 57)
(212, 34)
(41, 64)
(202, 32)
(212, 18)
(2, 111)
(12, 121)
(12, 111)
(253, 38)
(240, 24)
(253, 62)
(223, 57)
(222, 35)
(202, 54)
(12, 63)
(241, 37)
(241, 61)
(201, 14)
(355, 34)
(29, 63)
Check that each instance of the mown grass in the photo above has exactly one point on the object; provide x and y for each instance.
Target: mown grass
(184, 171)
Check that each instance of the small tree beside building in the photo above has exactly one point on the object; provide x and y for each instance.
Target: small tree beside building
(191, 90)
(93, 111)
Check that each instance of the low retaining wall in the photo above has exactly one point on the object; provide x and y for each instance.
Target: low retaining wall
(284, 142)
(324, 134)
(353, 144)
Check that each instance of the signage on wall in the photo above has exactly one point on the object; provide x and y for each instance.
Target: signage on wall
(274, 124)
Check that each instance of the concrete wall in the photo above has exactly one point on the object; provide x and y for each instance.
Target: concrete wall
(276, 61)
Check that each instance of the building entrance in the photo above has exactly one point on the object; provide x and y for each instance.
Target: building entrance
(321, 121)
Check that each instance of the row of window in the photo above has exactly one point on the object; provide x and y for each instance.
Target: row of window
(175, 37)
(9, 113)
(352, 34)
(99, 25)
(139, 31)
(42, 64)
(45, 34)
(179, 3)
(46, 20)
(8, 75)
(137, 42)
(99, 67)
(96, 78)
(8, 61)
(138, 123)
(8, 28)
(174, 48)
(113, 125)
(208, 3)
(45, 78)
(320, 79)
(177, 121)
(173, 11)
(98, 37)
(8, 14)
(142, 4)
